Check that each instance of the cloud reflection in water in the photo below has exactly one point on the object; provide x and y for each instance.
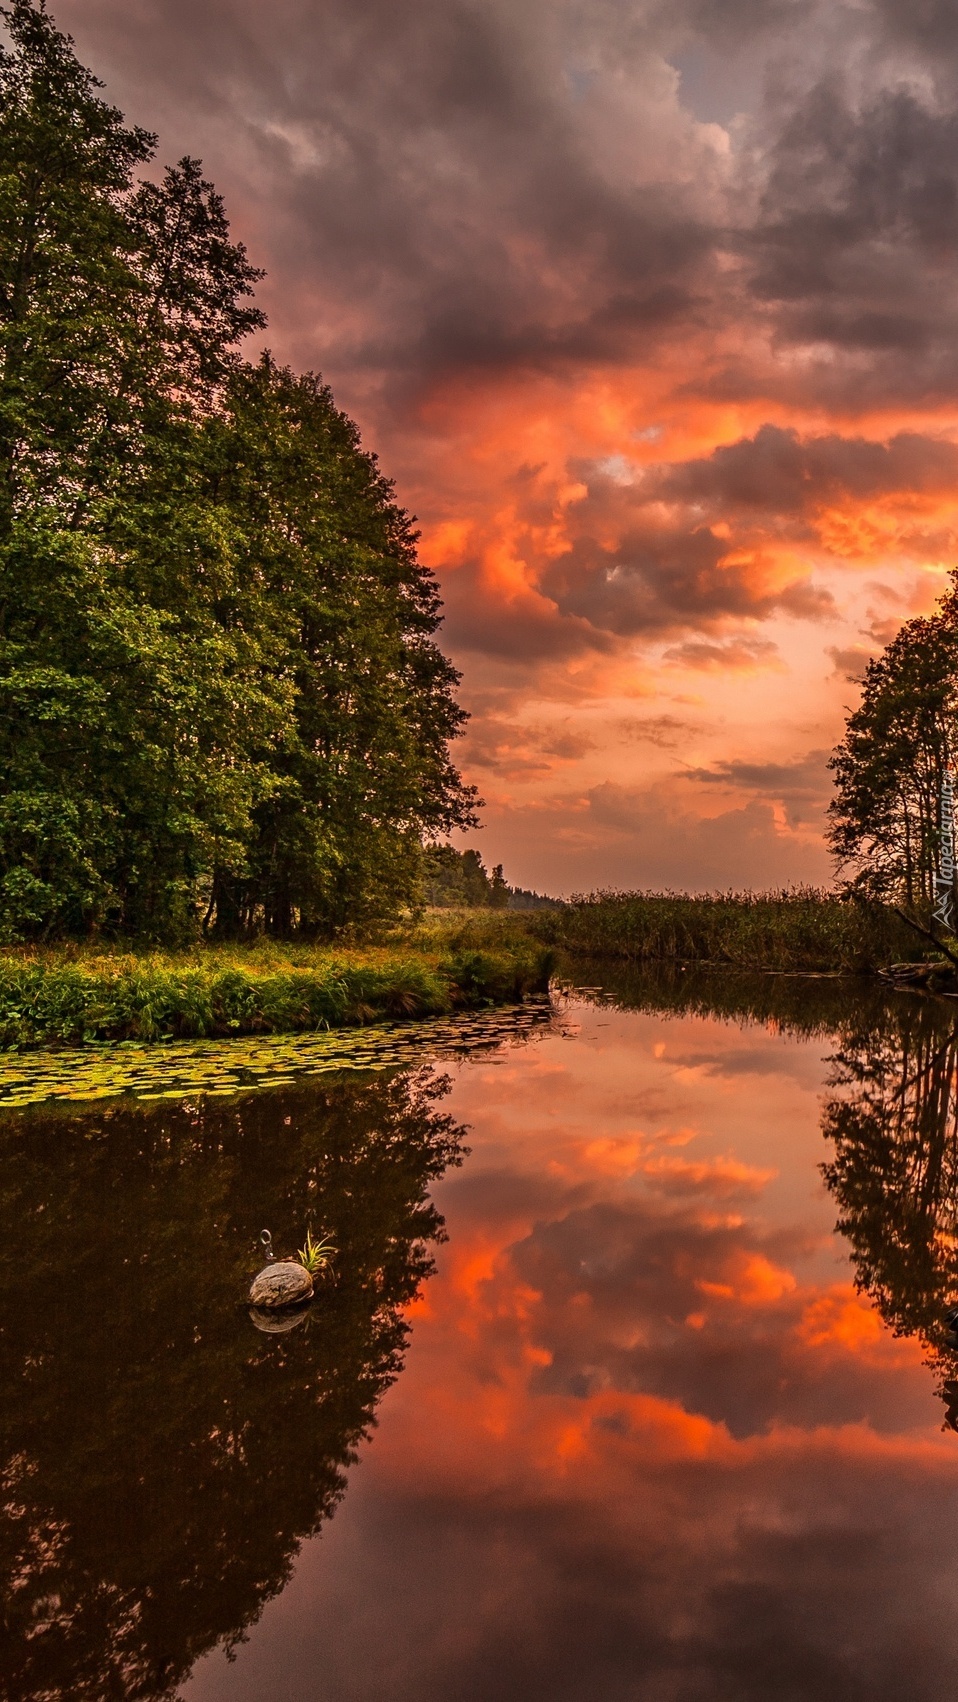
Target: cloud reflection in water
(654, 1440)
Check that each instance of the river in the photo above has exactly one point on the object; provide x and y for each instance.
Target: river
(628, 1383)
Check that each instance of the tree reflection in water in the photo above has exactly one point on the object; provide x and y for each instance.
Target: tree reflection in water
(893, 1119)
(162, 1459)
(894, 1122)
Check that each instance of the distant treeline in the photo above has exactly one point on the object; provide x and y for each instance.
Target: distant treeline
(460, 880)
(221, 703)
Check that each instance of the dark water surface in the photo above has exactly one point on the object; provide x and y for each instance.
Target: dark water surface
(665, 1417)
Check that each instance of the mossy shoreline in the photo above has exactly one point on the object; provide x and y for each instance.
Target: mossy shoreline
(66, 997)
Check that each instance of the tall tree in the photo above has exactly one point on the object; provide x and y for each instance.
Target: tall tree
(220, 694)
(884, 819)
(116, 298)
(67, 276)
(365, 773)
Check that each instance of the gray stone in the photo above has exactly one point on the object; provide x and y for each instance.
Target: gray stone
(281, 1284)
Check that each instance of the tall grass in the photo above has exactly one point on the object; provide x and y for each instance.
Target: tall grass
(801, 931)
(74, 996)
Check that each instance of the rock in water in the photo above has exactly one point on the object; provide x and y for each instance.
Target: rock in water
(281, 1284)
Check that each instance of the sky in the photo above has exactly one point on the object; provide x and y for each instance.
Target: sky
(649, 308)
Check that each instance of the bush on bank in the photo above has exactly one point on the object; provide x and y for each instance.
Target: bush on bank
(803, 930)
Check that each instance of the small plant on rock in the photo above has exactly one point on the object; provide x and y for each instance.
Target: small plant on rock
(315, 1256)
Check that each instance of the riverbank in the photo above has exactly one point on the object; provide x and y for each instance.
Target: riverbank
(70, 995)
(798, 932)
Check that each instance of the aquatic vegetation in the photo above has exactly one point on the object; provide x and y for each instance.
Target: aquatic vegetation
(804, 930)
(181, 1070)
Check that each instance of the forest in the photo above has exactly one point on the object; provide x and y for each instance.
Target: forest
(223, 710)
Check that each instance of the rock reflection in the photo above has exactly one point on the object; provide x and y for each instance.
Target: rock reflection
(894, 1122)
(162, 1460)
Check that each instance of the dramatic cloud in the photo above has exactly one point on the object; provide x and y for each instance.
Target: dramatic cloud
(777, 474)
(802, 786)
(650, 310)
(856, 240)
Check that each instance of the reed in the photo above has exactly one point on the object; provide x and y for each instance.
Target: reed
(804, 930)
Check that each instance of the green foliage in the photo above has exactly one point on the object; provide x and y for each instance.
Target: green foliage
(459, 880)
(363, 771)
(315, 1256)
(221, 705)
(804, 930)
(152, 997)
(884, 820)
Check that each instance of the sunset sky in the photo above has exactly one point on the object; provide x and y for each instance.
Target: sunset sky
(651, 311)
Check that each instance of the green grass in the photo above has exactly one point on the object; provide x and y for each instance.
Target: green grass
(799, 932)
(72, 994)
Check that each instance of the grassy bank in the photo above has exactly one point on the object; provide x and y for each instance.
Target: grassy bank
(803, 931)
(70, 995)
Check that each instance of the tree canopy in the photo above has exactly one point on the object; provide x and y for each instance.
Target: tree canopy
(455, 879)
(221, 700)
(884, 820)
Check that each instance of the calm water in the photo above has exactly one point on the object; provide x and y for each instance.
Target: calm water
(639, 1424)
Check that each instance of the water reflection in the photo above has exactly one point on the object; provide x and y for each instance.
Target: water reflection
(650, 1439)
(892, 1114)
(894, 1123)
(162, 1460)
(649, 1442)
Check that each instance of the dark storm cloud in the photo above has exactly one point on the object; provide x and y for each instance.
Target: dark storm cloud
(660, 578)
(430, 178)
(523, 629)
(777, 472)
(439, 186)
(931, 26)
(451, 193)
(854, 245)
(803, 778)
(802, 786)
